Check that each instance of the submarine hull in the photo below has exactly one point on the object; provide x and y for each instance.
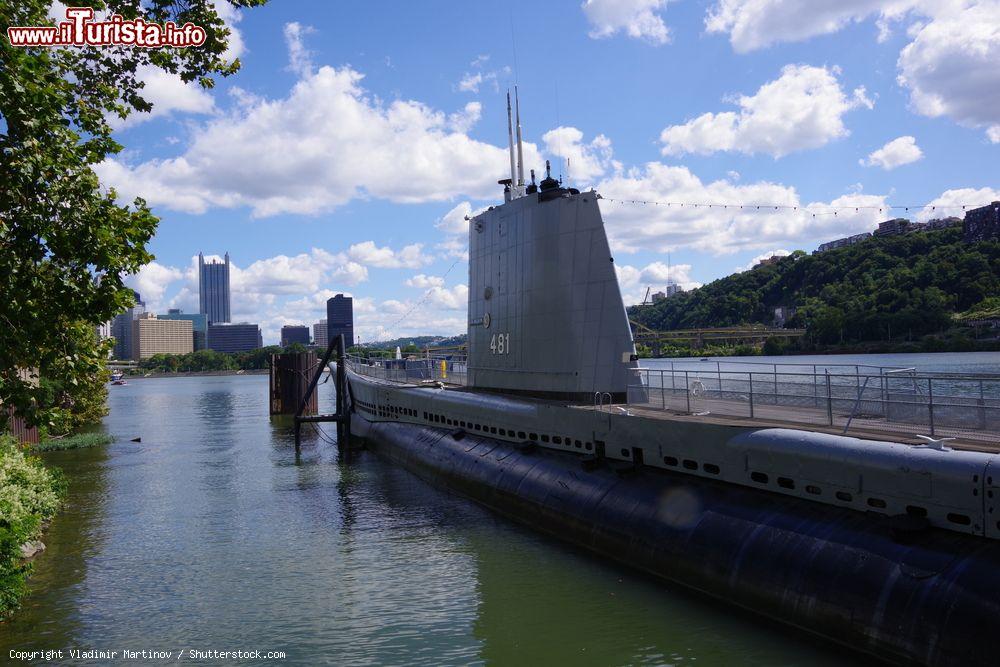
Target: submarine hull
(867, 581)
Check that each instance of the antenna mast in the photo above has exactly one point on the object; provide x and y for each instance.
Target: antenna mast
(510, 145)
(520, 154)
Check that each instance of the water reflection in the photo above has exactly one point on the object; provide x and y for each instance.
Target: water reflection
(214, 533)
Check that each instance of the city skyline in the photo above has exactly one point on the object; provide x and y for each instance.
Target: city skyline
(846, 115)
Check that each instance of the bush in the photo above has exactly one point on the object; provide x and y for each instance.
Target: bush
(30, 494)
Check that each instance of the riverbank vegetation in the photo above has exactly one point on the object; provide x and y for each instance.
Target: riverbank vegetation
(76, 441)
(210, 360)
(885, 294)
(30, 494)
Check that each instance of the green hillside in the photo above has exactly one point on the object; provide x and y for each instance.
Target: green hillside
(897, 288)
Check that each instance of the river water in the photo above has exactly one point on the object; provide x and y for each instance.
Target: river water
(212, 534)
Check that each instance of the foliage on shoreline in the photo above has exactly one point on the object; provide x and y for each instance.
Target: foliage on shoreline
(891, 289)
(66, 241)
(30, 495)
(210, 360)
(77, 441)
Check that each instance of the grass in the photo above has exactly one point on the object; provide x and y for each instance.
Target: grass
(78, 441)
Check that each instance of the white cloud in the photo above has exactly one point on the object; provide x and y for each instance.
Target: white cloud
(456, 298)
(634, 281)
(777, 252)
(895, 153)
(455, 247)
(349, 273)
(956, 202)
(724, 227)
(424, 281)
(638, 19)
(463, 121)
(949, 67)
(168, 94)
(952, 67)
(801, 109)
(454, 221)
(325, 144)
(587, 162)
(755, 24)
(408, 257)
(299, 57)
(470, 82)
(152, 282)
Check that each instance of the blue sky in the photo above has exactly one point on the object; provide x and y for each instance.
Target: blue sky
(345, 154)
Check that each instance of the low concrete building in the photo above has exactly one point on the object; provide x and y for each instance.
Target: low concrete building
(982, 224)
(893, 227)
(152, 335)
(944, 223)
(843, 243)
(199, 325)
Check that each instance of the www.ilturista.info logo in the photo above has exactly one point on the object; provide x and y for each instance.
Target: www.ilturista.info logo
(82, 30)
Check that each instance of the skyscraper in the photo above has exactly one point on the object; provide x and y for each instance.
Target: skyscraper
(213, 289)
(340, 318)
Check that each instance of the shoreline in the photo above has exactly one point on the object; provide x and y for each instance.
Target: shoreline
(160, 374)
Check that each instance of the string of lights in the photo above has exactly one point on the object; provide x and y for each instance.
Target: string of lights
(826, 210)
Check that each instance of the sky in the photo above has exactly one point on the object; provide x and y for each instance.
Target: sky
(356, 138)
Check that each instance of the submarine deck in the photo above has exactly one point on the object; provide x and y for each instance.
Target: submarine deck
(873, 403)
(720, 412)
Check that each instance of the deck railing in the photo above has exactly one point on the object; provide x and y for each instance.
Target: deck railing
(445, 368)
(871, 398)
(848, 398)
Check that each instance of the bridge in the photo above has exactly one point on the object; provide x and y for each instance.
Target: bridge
(753, 334)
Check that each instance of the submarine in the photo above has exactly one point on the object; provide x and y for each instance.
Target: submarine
(888, 548)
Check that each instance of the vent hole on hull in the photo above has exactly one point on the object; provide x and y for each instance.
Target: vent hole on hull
(960, 519)
(759, 477)
(690, 465)
(786, 483)
(916, 510)
(670, 460)
(845, 496)
(711, 468)
(876, 502)
(815, 490)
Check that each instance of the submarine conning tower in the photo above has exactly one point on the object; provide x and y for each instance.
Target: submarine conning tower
(546, 316)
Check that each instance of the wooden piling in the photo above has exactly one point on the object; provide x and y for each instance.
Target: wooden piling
(290, 384)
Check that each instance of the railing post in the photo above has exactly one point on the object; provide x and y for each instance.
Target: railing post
(663, 391)
(930, 403)
(982, 407)
(829, 398)
(750, 375)
(687, 391)
(815, 389)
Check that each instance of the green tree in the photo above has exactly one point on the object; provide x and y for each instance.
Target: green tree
(64, 242)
